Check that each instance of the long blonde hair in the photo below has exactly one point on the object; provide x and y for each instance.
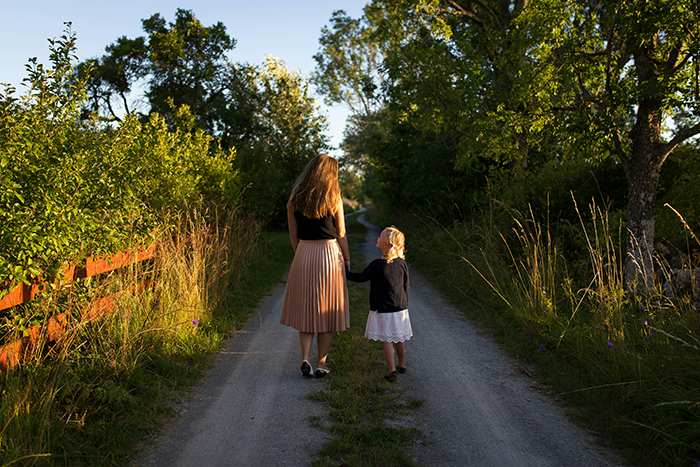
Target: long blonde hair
(316, 192)
(397, 241)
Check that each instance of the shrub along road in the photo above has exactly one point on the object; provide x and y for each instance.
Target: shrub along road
(480, 409)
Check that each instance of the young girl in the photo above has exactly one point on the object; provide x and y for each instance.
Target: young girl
(388, 320)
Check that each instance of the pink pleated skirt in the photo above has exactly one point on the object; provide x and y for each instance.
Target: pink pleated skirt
(316, 296)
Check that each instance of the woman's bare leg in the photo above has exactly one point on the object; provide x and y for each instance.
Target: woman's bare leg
(401, 353)
(324, 343)
(389, 355)
(306, 339)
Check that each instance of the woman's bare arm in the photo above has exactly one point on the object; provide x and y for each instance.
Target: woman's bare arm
(292, 225)
(342, 237)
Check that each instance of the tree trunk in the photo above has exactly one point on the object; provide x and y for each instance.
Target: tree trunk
(642, 169)
(643, 180)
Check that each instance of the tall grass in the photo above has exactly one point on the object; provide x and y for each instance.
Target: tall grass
(630, 364)
(86, 398)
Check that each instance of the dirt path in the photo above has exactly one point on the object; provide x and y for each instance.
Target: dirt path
(251, 409)
(480, 409)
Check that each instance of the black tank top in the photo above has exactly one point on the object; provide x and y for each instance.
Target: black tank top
(315, 229)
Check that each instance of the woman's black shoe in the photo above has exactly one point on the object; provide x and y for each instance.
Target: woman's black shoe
(305, 369)
(391, 376)
(402, 370)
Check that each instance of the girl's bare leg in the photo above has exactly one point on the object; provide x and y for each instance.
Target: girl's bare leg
(389, 355)
(324, 343)
(306, 338)
(401, 353)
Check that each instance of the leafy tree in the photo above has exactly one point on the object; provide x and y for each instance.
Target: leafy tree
(262, 113)
(291, 133)
(630, 67)
(351, 185)
(517, 83)
(348, 71)
(427, 88)
(114, 75)
(180, 63)
(348, 67)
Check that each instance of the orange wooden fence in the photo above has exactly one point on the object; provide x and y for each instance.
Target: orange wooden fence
(11, 354)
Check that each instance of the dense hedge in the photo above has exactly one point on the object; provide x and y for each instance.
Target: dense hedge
(72, 186)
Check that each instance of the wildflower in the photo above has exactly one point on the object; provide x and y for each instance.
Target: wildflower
(610, 344)
(651, 334)
(195, 322)
(542, 348)
(645, 323)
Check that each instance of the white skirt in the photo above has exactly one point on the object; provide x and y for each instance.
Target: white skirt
(389, 327)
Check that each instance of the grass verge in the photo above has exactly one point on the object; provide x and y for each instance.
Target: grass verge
(630, 366)
(88, 398)
(360, 399)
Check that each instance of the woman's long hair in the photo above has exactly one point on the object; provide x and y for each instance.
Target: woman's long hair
(316, 192)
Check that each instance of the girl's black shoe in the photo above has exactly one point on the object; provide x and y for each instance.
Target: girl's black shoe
(402, 370)
(391, 376)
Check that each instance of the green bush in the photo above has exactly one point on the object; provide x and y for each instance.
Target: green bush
(72, 186)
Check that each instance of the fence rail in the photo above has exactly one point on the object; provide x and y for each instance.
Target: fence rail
(13, 353)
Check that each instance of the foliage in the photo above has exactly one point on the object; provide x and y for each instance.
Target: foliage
(183, 166)
(351, 185)
(348, 68)
(69, 187)
(292, 134)
(514, 89)
(91, 396)
(72, 187)
(630, 367)
(263, 114)
(678, 188)
(180, 63)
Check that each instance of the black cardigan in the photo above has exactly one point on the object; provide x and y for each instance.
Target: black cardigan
(388, 291)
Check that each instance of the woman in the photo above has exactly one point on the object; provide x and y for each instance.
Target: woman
(316, 297)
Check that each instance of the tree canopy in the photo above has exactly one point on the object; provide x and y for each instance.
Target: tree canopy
(512, 90)
(264, 113)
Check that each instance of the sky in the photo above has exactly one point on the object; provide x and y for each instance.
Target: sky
(287, 29)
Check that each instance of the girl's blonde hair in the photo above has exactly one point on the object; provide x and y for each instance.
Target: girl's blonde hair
(316, 192)
(397, 241)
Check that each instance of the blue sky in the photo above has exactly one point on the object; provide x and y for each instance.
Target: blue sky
(288, 29)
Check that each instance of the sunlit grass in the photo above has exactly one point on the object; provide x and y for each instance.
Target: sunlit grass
(88, 398)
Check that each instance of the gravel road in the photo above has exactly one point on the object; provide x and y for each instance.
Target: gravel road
(480, 409)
